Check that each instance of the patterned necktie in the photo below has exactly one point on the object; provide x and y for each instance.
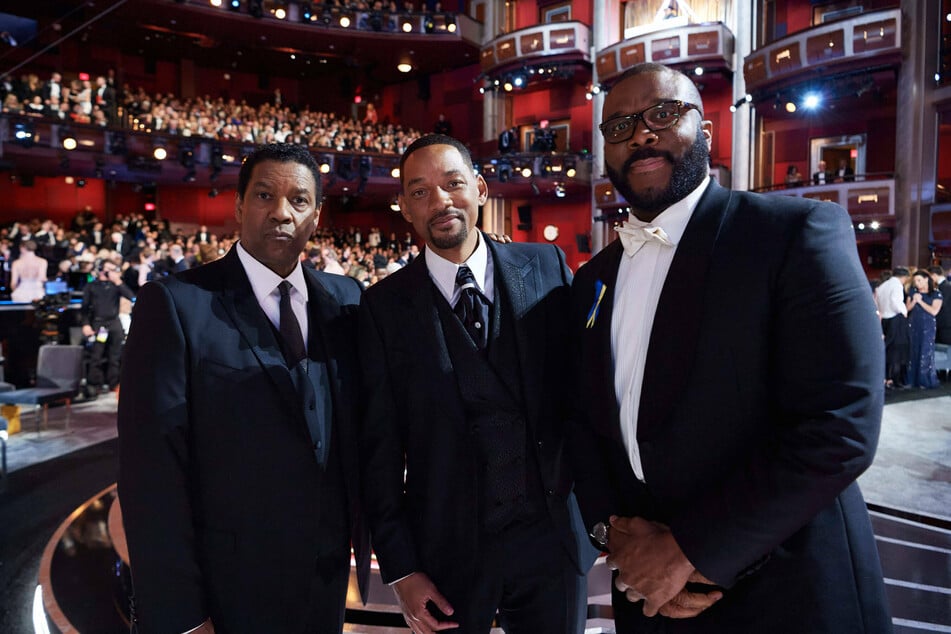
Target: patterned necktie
(634, 237)
(294, 349)
(472, 307)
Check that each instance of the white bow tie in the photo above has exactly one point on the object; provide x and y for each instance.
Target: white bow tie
(633, 237)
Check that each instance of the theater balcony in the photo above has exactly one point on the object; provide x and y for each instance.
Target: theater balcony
(533, 57)
(708, 46)
(32, 147)
(865, 42)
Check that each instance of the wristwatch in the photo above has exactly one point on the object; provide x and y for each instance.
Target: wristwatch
(599, 533)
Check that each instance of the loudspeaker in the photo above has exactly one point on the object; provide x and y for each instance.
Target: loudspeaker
(422, 88)
(524, 217)
(584, 242)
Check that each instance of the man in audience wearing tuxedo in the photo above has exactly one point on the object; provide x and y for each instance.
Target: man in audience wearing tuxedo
(237, 453)
(722, 425)
(467, 493)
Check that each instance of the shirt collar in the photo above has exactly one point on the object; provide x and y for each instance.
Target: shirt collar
(443, 272)
(674, 219)
(264, 281)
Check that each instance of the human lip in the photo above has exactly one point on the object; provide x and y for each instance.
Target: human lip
(647, 165)
(443, 220)
(279, 235)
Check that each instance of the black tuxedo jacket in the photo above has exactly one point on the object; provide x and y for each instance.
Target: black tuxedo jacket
(217, 474)
(761, 405)
(415, 417)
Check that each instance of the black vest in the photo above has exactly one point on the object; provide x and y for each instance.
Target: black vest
(509, 484)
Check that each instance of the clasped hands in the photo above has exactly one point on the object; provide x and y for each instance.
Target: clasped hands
(651, 566)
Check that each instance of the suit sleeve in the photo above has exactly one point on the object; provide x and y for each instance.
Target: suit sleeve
(154, 468)
(382, 456)
(826, 392)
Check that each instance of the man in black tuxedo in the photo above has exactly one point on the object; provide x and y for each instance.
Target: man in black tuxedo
(465, 385)
(238, 468)
(822, 176)
(722, 430)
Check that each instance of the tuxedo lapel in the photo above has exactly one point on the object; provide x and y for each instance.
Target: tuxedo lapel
(519, 291)
(678, 319)
(599, 375)
(242, 306)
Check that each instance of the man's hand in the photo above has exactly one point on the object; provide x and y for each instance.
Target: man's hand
(648, 560)
(502, 238)
(413, 592)
(88, 331)
(689, 604)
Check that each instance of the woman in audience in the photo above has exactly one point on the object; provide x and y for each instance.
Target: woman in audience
(28, 274)
(923, 303)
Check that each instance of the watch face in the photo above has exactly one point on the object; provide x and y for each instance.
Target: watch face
(600, 533)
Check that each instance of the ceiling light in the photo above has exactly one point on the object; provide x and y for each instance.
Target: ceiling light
(344, 21)
(159, 153)
(395, 172)
(69, 143)
(526, 172)
(790, 107)
(404, 67)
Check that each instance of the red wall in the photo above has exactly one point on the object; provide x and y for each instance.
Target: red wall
(49, 198)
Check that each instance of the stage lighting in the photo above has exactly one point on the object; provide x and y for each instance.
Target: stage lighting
(234, 5)
(526, 172)
(24, 134)
(69, 142)
(307, 12)
(811, 101)
(159, 153)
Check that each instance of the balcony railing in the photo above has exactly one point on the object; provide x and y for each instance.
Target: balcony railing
(868, 196)
(845, 43)
(537, 44)
(708, 44)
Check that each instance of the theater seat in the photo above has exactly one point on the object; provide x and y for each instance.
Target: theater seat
(59, 371)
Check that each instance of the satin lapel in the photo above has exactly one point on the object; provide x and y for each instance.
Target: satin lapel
(677, 322)
(596, 352)
(242, 306)
(519, 287)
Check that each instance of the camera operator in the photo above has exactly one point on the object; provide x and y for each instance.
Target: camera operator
(101, 325)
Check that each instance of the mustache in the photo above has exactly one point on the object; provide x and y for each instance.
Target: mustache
(645, 153)
(443, 214)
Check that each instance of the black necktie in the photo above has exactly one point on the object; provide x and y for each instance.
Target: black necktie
(472, 308)
(294, 349)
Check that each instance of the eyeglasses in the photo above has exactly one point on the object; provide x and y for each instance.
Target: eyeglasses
(660, 117)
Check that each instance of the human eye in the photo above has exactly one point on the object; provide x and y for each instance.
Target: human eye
(620, 125)
(417, 193)
(263, 195)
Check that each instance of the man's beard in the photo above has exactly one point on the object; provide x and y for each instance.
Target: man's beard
(686, 176)
(452, 241)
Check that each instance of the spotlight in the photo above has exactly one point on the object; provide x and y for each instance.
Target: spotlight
(404, 67)
(395, 206)
(861, 226)
(811, 101)
(307, 12)
(518, 81)
(215, 3)
(345, 21)
(69, 142)
(570, 172)
(280, 11)
(526, 172)
(159, 153)
(790, 107)
(560, 190)
(234, 5)
(698, 71)
(450, 24)
(406, 25)
(507, 86)
(24, 134)
(395, 172)
(325, 166)
(875, 225)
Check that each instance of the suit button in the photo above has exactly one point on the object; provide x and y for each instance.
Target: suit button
(541, 443)
(551, 492)
(319, 444)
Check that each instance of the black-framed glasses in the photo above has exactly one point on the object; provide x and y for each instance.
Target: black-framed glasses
(659, 117)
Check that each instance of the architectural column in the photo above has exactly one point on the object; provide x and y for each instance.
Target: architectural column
(600, 38)
(916, 142)
(744, 119)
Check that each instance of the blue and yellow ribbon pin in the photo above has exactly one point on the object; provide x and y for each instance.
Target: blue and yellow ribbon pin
(599, 289)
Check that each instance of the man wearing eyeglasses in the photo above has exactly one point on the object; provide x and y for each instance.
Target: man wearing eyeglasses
(730, 391)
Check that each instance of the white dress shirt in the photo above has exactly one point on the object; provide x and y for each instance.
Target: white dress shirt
(265, 282)
(443, 272)
(640, 279)
(890, 298)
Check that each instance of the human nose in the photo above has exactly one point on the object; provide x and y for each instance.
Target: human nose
(282, 210)
(642, 135)
(442, 198)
